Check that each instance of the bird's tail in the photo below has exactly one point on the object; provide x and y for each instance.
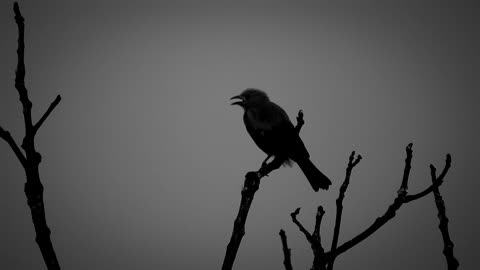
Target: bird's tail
(316, 178)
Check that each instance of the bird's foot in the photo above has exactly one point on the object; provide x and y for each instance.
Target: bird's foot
(264, 163)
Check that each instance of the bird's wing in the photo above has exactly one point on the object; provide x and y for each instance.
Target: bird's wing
(273, 132)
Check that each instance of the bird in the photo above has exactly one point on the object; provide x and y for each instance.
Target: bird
(273, 132)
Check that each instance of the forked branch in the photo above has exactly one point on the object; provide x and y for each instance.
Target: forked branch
(325, 259)
(31, 159)
(402, 198)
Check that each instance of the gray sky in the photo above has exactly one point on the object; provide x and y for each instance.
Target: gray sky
(144, 158)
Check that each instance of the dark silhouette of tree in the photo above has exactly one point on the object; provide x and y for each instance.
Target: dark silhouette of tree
(324, 260)
(31, 159)
(251, 185)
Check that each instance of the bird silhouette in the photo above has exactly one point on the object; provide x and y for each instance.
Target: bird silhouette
(273, 132)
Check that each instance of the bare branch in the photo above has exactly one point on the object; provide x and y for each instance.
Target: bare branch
(437, 183)
(8, 138)
(31, 159)
(20, 71)
(300, 226)
(47, 113)
(286, 251)
(452, 262)
(401, 199)
(314, 240)
(406, 171)
(338, 219)
(252, 183)
(300, 121)
(318, 222)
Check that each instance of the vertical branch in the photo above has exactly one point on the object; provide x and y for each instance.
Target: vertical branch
(318, 252)
(452, 262)
(31, 159)
(252, 183)
(300, 121)
(406, 170)
(314, 239)
(318, 222)
(286, 251)
(20, 71)
(341, 196)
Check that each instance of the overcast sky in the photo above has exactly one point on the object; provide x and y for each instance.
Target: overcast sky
(144, 158)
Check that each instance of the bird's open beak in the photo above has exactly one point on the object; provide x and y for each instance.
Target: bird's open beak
(239, 102)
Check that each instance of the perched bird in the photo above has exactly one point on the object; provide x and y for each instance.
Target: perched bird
(273, 132)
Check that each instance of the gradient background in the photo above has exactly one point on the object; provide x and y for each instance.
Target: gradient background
(144, 158)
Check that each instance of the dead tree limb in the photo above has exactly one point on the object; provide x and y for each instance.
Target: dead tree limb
(452, 262)
(286, 251)
(325, 259)
(251, 185)
(338, 219)
(314, 239)
(402, 198)
(31, 159)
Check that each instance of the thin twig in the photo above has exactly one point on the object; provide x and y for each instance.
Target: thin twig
(452, 262)
(300, 226)
(300, 121)
(47, 113)
(286, 251)
(438, 182)
(8, 138)
(338, 219)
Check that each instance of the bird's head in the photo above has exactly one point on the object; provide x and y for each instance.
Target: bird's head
(250, 97)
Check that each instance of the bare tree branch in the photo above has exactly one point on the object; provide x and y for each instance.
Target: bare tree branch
(47, 113)
(406, 170)
(401, 199)
(438, 182)
(252, 183)
(318, 222)
(300, 226)
(8, 138)
(20, 71)
(314, 239)
(31, 160)
(338, 219)
(300, 121)
(452, 262)
(286, 251)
